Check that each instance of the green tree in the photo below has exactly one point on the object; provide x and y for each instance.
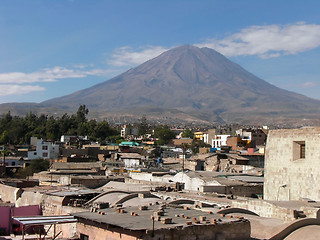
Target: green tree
(5, 121)
(164, 134)
(196, 144)
(52, 129)
(36, 165)
(4, 138)
(143, 126)
(187, 133)
(82, 114)
(103, 130)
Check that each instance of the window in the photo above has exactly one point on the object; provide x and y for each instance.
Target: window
(303, 150)
(84, 237)
(299, 150)
(44, 147)
(45, 154)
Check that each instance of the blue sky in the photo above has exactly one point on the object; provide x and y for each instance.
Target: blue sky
(51, 48)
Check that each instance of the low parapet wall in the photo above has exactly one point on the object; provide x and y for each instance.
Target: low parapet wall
(294, 226)
(237, 210)
(265, 209)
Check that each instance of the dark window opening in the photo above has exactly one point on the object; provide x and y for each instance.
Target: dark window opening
(84, 237)
(299, 150)
(302, 150)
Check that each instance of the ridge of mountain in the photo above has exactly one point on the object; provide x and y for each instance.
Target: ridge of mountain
(198, 82)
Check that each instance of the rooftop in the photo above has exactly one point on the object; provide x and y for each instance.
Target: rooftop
(133, 218)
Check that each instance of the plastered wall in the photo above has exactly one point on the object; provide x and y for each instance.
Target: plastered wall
(288, 177)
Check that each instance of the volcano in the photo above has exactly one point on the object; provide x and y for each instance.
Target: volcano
(196, 82)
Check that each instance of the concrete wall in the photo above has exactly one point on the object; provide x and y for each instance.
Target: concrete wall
(29, 198)
(265, 209)
(193, 184)
(217, 189)
(148, 177)
(32, 210)
(9, 194)
(288, 177)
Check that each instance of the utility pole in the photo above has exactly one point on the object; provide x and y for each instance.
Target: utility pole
(184, 149)
(3, 161)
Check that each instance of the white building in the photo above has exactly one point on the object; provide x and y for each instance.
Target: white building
(44, 150)
(131, 160)
(67, 138)
(129, 130)
(219, 141)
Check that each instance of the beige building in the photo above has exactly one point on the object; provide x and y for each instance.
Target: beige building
(292, 164)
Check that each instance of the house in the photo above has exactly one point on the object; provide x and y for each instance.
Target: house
(129, 131)
(219, 141)
(44, 150)
(219, 162)
(292, 164)
(180, 141)
(235, 142)
(253, 137)
(199, 135)
(236, 184)
(72, 139)
(131, 160)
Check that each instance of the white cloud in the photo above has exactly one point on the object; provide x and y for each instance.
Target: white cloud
(7, 89)
(308, 84)
(265, 41)
(126, 56)
(49, 75)
(268, 41)
(14, 83)
(45, 75)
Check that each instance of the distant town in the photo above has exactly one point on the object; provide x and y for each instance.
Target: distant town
(74, 178)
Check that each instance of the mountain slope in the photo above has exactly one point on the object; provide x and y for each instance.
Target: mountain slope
(197, 81)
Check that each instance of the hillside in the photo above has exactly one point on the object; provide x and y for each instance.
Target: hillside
(195, 83)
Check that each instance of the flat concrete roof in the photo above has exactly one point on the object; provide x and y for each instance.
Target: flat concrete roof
(143, 219)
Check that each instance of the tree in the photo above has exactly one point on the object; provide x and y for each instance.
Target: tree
(36, 165)
(143, 126)
(103, 130)
(196, 144)
(52, 129)
(4, 138)
(164, 134)
(82, 114)
(187, 133)
(4, 153)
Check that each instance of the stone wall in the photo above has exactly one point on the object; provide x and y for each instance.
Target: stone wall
(288, 175)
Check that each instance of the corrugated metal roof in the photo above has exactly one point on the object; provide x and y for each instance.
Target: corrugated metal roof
(45, 220)
(74, 192)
